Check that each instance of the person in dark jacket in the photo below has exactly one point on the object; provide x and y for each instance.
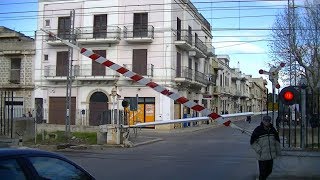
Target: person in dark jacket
(266, 143)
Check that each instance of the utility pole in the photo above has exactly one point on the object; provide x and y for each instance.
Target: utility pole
(72, 40)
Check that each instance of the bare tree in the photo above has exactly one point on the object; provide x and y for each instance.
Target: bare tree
(296, 41)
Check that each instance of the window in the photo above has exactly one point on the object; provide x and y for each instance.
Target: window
(196, 66)
(64, 26)
(190, 63)
(46, 57)
(97, 68)
(195, 39)
(139, 61)
(15, 70)
(62, 63)
(47, 23)
(140, 25)
(178, 29)
(10, 169)
(178, 72)
(100, 26)
(52, 168)
(189, 35)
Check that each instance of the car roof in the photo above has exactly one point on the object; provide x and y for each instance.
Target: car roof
(5, 152)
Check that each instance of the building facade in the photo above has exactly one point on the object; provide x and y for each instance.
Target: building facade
(166, 41)
(236, 92)
(17, 53)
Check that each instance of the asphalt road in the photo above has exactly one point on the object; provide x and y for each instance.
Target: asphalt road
(216, 153)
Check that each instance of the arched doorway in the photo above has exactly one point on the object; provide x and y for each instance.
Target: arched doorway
(98, 108)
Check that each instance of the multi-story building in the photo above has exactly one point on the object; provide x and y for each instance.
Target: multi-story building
(222, 90)
(16, 71)
(167, 41)
(240, 90)
(235, 91)
(258, 94)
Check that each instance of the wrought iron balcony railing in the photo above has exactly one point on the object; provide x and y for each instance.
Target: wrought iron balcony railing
(141, 31)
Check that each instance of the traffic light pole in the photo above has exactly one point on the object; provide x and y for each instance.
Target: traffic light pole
(303, 117)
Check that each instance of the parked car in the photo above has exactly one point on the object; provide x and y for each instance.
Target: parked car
(35, 164)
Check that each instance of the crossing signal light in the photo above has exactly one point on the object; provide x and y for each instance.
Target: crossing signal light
(289, 95)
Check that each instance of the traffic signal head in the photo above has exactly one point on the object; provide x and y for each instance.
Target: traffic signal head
(125, 103)
(289, 95)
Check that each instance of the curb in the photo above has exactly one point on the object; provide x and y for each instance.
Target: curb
(147, 142)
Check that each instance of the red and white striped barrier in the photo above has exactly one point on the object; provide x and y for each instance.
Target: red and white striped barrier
(147, 82)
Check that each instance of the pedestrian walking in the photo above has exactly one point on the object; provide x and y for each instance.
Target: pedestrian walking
(266, 143)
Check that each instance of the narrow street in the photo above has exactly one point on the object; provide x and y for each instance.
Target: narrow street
(215, 153)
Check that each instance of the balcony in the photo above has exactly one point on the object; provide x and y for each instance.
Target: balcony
(85, 73)
(51, 73)
(200, 49)
(80, 72)
(216, 90)
(184, 40)
(236, 93)
(184, 75)
(139, 34)
(210, 51)
(148, 72)
(201, 78)
(212, 78)
(92, 35)
(63, 34)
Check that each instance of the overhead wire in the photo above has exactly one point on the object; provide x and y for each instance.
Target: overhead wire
(203, 9)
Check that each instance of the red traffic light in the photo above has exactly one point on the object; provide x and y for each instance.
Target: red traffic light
(288, 96)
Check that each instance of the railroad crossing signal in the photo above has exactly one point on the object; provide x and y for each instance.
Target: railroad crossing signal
(289, 95)
(273, 74)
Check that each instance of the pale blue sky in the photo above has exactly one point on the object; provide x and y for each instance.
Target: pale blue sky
(248, 47)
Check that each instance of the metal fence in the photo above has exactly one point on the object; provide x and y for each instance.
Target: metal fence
(6, 113)
(299, 124)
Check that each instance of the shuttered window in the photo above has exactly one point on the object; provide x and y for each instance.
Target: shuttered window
(139, 61)
(140, 25)
(62, 63)
(178, 64)
(97, 68)
(100, 26)
(64, 26)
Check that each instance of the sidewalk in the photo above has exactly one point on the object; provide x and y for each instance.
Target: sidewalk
(296, 165)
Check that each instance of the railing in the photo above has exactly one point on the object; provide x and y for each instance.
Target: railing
(200, 45)
(52, 71)
(299, 124)
(15, 76)
(86, 70)
(184, 72)
(210, 50)
(200, 77)
(148, 71)
(184, 35)
(98, 32)
(143, 31)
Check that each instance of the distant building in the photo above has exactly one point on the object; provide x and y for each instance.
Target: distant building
(17, 53)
